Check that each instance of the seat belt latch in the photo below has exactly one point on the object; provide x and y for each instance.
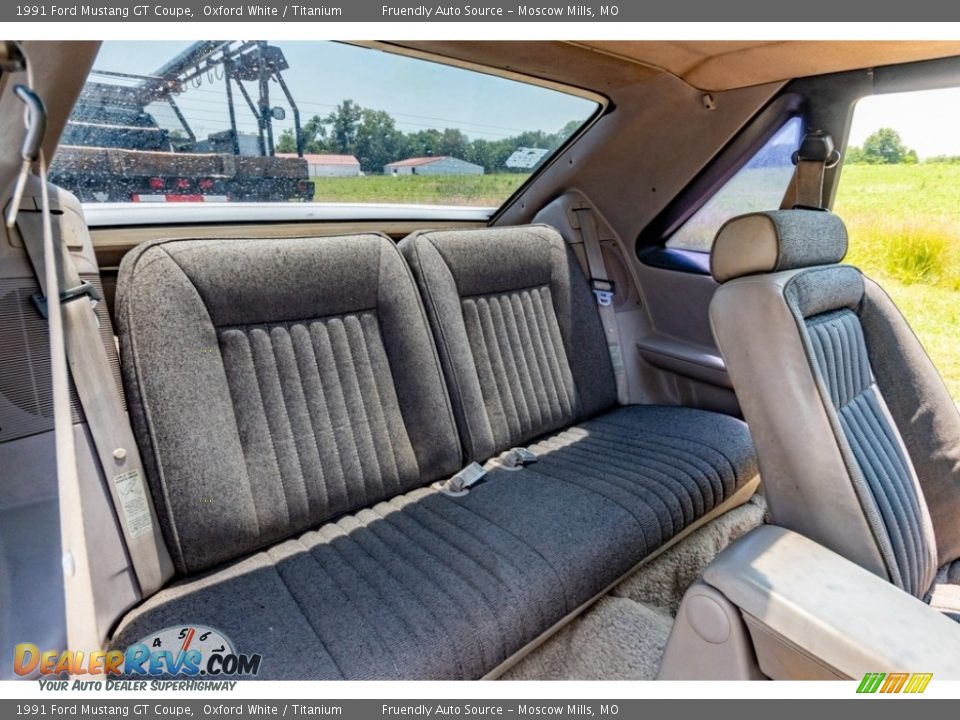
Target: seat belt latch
(516, 458)
(460, 483)
(604, 290)
(84, 288)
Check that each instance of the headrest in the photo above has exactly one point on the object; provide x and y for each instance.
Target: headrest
(777, 240)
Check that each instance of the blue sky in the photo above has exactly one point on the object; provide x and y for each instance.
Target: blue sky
(418, 94)
(926, 120)
(422, 95)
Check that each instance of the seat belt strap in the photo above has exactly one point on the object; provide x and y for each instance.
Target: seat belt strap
(809, 190)
(80, 605)
(74, 330)
(603, 289)
(103, 408)
(815, 155)
(80, 611)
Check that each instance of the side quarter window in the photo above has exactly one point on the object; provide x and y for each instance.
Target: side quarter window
(759, 185)
(899, 195)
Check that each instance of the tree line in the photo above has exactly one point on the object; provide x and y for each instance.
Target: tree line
(883, 147)
(372, 136)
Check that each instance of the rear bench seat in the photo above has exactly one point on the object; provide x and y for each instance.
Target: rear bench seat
(292, 412)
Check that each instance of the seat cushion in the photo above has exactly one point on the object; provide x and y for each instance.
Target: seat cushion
(427, 586)
(666, 466)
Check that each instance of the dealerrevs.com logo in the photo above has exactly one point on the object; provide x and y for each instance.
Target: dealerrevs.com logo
(189, 652)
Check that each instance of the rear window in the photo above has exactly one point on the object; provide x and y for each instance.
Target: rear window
(252, 121)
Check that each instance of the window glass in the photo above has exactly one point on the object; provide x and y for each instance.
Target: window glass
(899, 195)
(758, 185)
(217, 122)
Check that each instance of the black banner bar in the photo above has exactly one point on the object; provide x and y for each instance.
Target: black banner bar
(213, 707)
(480, 11)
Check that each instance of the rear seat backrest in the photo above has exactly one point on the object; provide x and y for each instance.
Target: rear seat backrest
(517, 330)
(276, 384)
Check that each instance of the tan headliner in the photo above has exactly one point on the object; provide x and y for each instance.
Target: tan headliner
(603, 66)
(723, 65)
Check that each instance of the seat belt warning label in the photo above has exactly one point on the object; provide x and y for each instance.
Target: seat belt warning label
(133, 500)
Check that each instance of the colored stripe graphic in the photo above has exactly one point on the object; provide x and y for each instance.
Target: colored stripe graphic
(892, 683)
(918, 682)
(870, 682)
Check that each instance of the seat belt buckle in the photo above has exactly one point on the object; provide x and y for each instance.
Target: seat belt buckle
(516, 458)
(604, 290)
(460, 483)
(84, 288)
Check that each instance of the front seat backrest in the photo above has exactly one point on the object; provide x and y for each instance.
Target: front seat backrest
(789, 322)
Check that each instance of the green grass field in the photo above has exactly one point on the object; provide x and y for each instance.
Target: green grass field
(904, 223)
(475, 190)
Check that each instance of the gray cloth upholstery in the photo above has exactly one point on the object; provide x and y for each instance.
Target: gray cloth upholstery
(890, 493)
(775, 241)
(431, 587)
(821, 290)
(292, 413)
(924, 412)
(834, 463)
(806, 477)
(276, 384)
(517, 330)
(667, 466)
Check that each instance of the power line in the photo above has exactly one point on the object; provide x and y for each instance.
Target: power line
(308, 103)
(211, 116)
(184, 101)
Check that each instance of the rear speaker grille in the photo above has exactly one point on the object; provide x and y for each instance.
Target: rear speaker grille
(26, 393)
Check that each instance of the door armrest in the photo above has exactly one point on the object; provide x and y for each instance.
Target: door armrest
(802, 601)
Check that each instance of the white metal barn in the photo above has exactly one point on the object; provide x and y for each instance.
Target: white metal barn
(329, 165)
(442, 165)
